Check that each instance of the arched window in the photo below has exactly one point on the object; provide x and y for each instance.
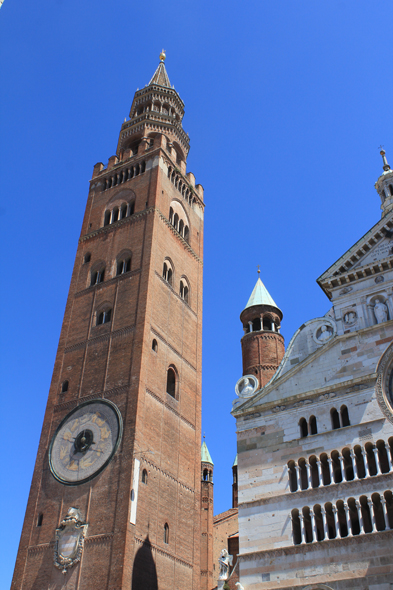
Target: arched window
(167, 272)
(303, 473)
(64, 386)
(186, 233)
(166, 533)
(348, 466)
(331, 523)
(303, 425)
(335, 419)
(313, 425)
(325, 469)
(171, 382)
(296, 531)
(171, 215)
(104, 317)
(205, 475)
(267, 325)
(176, 221)
(123, 265)
(353, 515)
(292, 476)
(307, 524)
(107, 218)
(184, 290)
(319, 523)
(87, 258)
(144, 476)
(115, 215)
(336, 467)
(97, 276)
(314, 471)
(181, 228)
(344, 416)
(123, 211)
(342, 519)
(40, 519)
(154, 345)
(382, 456)
(372, 466)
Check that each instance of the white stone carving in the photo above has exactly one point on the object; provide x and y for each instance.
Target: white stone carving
(380, 312)
(325, 334)
(225, 562)
(246, 386)
(350, 318)
(239, 586)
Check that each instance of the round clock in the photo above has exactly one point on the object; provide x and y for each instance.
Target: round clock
(85, 441)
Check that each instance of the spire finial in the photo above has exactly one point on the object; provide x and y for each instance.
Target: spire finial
(203, 436)
(162, 55)
(386, 166)
(259, 269)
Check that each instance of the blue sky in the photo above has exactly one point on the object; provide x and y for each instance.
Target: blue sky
(286, 105)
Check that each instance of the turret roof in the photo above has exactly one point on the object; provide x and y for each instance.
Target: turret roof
(205, 455)
(235, 462)
(160, 76)
(260, 296)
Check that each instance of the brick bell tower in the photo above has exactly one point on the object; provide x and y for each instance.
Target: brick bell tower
(262, 343)
(115, 497)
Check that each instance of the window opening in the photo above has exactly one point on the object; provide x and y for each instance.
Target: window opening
(171, 382)
(313, 425)
(40, 519)
(166, 533)
(303, 428)
(144, 476)
(64, 387)
(344, 416)
(104, 317)
(335, 419)
(87, 258)
(154, 345)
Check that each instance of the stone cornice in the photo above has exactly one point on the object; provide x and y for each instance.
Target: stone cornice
(352, 541)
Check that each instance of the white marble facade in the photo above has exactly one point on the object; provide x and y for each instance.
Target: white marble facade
(315, 445)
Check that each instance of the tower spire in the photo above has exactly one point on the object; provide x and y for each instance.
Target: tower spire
(160, 76)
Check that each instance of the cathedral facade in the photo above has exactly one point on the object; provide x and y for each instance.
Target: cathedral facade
(115, 497)
(315, 429)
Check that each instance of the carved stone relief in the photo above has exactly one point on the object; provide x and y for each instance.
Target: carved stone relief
(69, 540)
(246, 386)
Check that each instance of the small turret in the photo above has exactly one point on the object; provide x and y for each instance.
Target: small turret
(384, 185)
(262, 343)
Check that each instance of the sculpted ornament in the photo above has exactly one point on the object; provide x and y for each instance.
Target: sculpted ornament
(380, 312)
(350, 318)
(246, 386)
(69, 540)
(225, 562)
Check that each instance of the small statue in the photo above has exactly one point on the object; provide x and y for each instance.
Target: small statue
(247, 387)
(225, 562)
(324, 335)
(380, 311)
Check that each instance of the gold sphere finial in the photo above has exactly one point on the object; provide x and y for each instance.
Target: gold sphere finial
(162, 55)
(259, 270)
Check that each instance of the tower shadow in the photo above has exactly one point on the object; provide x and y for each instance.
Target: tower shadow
(144, 574)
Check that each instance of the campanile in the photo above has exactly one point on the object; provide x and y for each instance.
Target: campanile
(115, 497)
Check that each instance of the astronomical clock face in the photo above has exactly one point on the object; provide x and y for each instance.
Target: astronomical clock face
(85, 442)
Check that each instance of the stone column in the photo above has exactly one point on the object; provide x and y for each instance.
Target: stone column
(348, 518)
(330, 462)
(360, 516)
(299, 482)
(375, 451)
(342, 465)
(372, 514)
(313, 525)
(320, 474)
(309, 479)
(387, 446)
(325, 523)
(303, 530)
(366, 469)
(385, 513)
(336, 522)
(354, 465)
(250, 325)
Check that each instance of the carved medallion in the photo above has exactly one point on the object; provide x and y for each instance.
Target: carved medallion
(246, 386)
(69, 540)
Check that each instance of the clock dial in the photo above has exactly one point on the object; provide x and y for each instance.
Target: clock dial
(85, 442)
